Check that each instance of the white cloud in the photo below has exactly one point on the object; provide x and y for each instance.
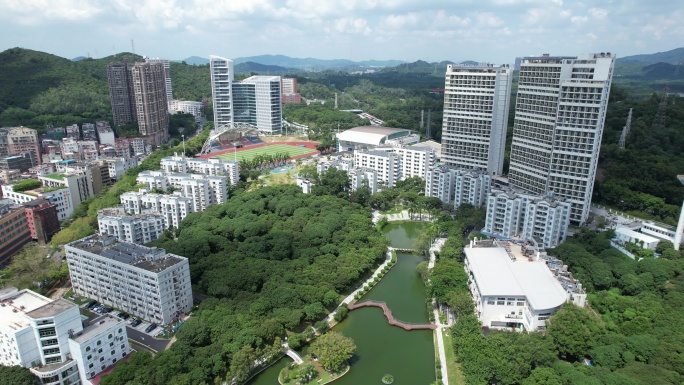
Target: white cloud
(36, 11)
(488, 19)
(450, 21)
(352, 25)
(400, 21)
(579, 20)
(598, 13)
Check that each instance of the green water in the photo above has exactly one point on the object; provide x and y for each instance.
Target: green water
(381, 348)
(403, 234)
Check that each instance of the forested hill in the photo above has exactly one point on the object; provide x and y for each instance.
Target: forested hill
(39, 88)
(642, 176)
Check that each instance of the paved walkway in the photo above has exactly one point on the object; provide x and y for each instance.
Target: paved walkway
(369, 281)
(292, 354)
(437, 246)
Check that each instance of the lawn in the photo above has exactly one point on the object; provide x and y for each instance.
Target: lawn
(249, 154)
(453, 368)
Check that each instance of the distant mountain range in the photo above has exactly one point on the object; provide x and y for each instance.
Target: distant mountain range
(671, 57)
(307, 64)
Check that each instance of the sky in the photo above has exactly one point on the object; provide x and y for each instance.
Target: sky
(494, 31)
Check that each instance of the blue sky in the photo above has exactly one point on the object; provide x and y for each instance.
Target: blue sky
(494, 31)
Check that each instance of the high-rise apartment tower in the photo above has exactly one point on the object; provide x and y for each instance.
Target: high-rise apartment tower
(167, 74)
(149, 87)
(221, 89)
(559, 117)
(121, 92)
(476, 100)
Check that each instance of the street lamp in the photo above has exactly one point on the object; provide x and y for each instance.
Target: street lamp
(680, 225)
(183, 136)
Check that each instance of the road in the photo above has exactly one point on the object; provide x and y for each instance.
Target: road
(145, 339)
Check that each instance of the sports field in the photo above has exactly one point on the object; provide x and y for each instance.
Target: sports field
(249, 153)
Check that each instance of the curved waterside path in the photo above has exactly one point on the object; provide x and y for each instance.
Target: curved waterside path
(382, 348)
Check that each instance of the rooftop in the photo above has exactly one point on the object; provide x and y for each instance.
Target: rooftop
(97, 328)
(636, 235)
(55, 176)
(497, 275)
(51, 309)
(148, 258)
(17, 303)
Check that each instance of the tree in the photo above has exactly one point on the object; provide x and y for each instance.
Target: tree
(543, 376)
(28, 184)
(306, 373)
(573, 331)
(333, 350)
(16, 375)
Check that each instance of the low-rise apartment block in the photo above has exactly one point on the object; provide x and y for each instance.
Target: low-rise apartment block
(210, 166)
(173, 208)
(59, 196)
(148, 283)
(386, 164)
(14, 229)
(47, 336)
(517, 215)
(137, 228)
(454, 185)
(204, 190)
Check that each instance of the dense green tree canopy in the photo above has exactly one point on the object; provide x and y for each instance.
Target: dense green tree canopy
(333, 349)
(16, 375)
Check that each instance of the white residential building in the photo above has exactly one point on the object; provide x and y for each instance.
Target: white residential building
(559, 116)
(60, 197)
(414, 160)
(340, 164)
(305, 184)
(98, 346)
(139, 228)
(386, 164)
(47, 336)
(513, 214)
(105, 134)
(454, 185)
(186, 107)
(476, 100)
(363, 177)
(221, 70)
(210, 166)
(173, 208)
(145, 282)
(79, 183)
(119, 166)
(625, 235)
(204, 190)
(511, 292)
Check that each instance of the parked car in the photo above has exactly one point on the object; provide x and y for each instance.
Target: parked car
(107, 309)
(92, 304)
(150, 328)
(136, 322)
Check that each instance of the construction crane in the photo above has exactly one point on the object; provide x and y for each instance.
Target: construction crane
(625, 130)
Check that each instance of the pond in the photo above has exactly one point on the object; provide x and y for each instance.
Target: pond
(381, 348)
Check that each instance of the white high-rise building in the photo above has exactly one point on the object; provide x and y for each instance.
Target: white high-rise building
(148, 283)
(414, 160)
(360, 177)
(204, 190)
(476, 103)
(257, 101)
(221, 89)
(559, 117)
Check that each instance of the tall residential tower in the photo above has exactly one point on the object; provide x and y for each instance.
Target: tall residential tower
(149, 87)
(559, 117)
(121, 92)
(221, 83)
(476, 100)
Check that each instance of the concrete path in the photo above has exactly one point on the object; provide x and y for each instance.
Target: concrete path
(437, 246)
(292, 354)
(350, 297)
(440, 344)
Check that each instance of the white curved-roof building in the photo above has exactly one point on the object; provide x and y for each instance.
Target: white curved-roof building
(509, 293)
(364, 137)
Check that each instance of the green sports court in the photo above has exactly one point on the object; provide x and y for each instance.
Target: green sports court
(270, 149)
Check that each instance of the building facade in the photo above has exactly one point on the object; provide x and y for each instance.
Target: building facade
(173, 208)
(24, 140)
(42, 218)
(204, 190)
(121, 92)
(206, 166)
(139, 228)
(509, 292)
(221, 90)
(145, 282)
(151, 105)
(14, 229)
(60, 197)
(476, 103)
(257, 101)
(559, 117)
(386, 164)
(513, 214)
(167, 74)
(456, 186)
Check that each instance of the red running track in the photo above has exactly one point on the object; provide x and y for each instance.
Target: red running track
(306, 144)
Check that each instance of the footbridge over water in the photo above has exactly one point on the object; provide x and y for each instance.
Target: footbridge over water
(390, 318)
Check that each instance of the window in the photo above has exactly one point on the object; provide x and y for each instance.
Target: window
(90, 366)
